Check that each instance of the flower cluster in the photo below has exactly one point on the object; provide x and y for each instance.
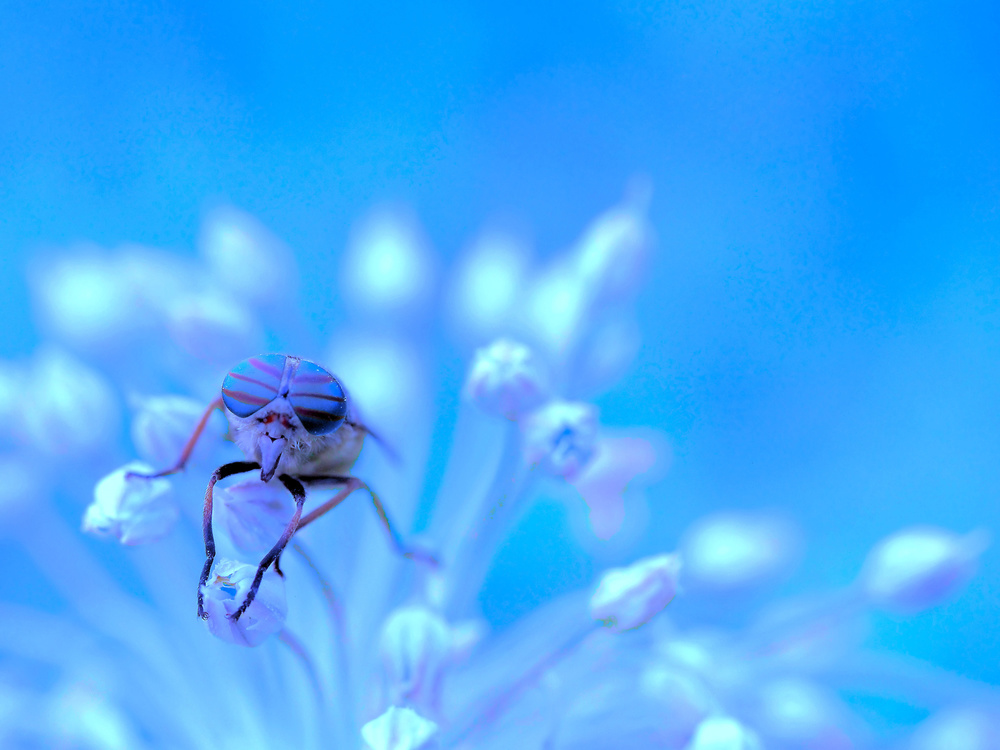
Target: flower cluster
(349, 644)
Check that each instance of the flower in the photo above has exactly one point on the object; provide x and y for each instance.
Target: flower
(561, 437)
(736, 550)
(416, 646)
(723, 733)
(253, 513)
(133, 509)
(398, 729)
(629, 597)
(162, 425)
(351, 644)
(227, 588)
(920, 567)
(506, 379)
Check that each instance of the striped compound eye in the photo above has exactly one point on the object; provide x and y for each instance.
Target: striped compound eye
(253, 383)
(317, 398)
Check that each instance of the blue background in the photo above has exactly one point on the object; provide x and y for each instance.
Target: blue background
(820, 326)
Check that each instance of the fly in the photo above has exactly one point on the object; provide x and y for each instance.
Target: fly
(294, 421)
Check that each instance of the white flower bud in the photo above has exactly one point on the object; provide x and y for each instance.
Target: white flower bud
(225, 590)
(801, 714)
(388, 266)
(735, 550)
(958, 729)
(416, 644)
(613, 251)
(245, 257)
(398, 729)
(506, 379)
(79, 716)
(212, 327)
(487, 285)
(629, 597)
(134, 510)
(253, 513)
(723, 733)
(67, 407)
(555, 307)
(920, 567)
(85, 297)
(561, 437)
(162, 426)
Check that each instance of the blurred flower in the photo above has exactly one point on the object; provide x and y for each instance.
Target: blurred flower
(65, 407)
(723, 733)
(354, 644)
(613, 250)
(85, 297)
(506, 379)
(561, 437)
(629, 597)
(735, 550)
(920, 567)
(212, 327)
(959, 729)
(416, 646)
(398, 729)
(487, 285)
(245, 257)
(162, 425)
(387, 267)
(133, 509)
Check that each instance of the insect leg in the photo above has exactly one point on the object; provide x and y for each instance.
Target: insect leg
(227, 470)
(350, 485)
(299, 493)
(188, 446)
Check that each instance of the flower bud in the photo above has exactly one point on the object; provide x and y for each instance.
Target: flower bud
(506, 379)
(212, 327)
(162, 426)
(561, 437)
(67, 408)
(416, 644)
(958, 729)
(723, 733)
(398, 729)
(84, 297)
(253, 513)
(134, 510)
(388, 267)
(613, 251)
(734, 550)
(555, 307)
(920, 567)
(227, 588)
(245, 257)
(487, 284)
(802, 714)
(629, 597)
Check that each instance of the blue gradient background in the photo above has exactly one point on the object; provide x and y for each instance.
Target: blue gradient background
(821, 321)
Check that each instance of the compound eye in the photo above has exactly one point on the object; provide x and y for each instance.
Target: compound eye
(253, 383)
(317, 398)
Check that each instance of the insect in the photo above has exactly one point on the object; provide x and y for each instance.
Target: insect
(294, 422)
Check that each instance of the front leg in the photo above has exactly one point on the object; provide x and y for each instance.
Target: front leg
(299, 493)
(236, 467)
(188, 446)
